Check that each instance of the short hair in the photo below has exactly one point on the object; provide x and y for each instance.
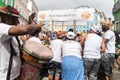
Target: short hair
(106, 24)
(70, 30)
(35, 32)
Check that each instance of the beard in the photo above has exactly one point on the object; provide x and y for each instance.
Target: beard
(103, 29)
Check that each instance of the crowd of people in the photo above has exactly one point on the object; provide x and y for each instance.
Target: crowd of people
(75, 56)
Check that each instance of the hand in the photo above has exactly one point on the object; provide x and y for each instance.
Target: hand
(21, 21)
(31, 18)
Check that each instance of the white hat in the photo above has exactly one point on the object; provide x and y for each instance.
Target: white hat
(70, 35)
(94, 28)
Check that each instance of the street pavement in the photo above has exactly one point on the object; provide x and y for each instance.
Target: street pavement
(116, 75)
(116, 71)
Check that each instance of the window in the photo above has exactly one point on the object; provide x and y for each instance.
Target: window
(11, 2)
(20, 10)
(22, 1)
(4, 1)
(16, 6)
(118, 25)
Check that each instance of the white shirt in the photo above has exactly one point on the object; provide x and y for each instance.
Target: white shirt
(110, 45)
(92, 46)
(35, 39)
(56, 49)
(71, 48)
(5, 54)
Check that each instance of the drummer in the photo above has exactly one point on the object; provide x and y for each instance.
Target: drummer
(55, 64)
(8, 33)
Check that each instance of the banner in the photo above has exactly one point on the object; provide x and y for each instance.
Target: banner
(67, 14)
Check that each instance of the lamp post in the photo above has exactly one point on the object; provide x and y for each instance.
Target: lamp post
(74, 25)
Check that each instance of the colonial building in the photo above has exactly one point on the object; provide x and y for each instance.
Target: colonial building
(7, 12)
(32, 6)
(21, 6)
(116, 14)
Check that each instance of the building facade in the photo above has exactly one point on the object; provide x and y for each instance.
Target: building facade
(8, 13)
(116, 14)
(21, 6)
(32, 6)
(7, 2)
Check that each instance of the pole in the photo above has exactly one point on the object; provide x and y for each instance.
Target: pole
(74, 25)
(62, 26)
(52, 26)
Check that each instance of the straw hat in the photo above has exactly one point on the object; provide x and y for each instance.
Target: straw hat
(106, 24)
(60, 34)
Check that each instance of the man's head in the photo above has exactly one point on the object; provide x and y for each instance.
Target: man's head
(71, 35)
(105, 26)
(60, 34)
(93, 29)
(70, 30)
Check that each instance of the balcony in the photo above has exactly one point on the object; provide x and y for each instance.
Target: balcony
(116, 7)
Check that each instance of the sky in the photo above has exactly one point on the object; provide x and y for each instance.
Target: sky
(101, 5)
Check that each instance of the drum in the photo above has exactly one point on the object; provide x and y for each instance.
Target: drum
(35, 62)
(29, 72)
(36, 54)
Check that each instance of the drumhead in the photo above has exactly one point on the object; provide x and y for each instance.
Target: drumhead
(37, 50)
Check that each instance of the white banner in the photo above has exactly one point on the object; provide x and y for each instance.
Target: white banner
(67, 15)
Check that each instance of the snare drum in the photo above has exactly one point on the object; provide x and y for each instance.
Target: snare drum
(36, 54)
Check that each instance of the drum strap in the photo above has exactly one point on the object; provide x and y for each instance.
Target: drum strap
(20, 48)
(13, 53)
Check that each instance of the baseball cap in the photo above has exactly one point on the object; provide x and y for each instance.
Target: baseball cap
(70, 35)
(93, 28)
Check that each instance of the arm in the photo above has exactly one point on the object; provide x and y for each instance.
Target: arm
(82, 53)
(105, 40)
(23, 29)
(103, 47)
(83, 40)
